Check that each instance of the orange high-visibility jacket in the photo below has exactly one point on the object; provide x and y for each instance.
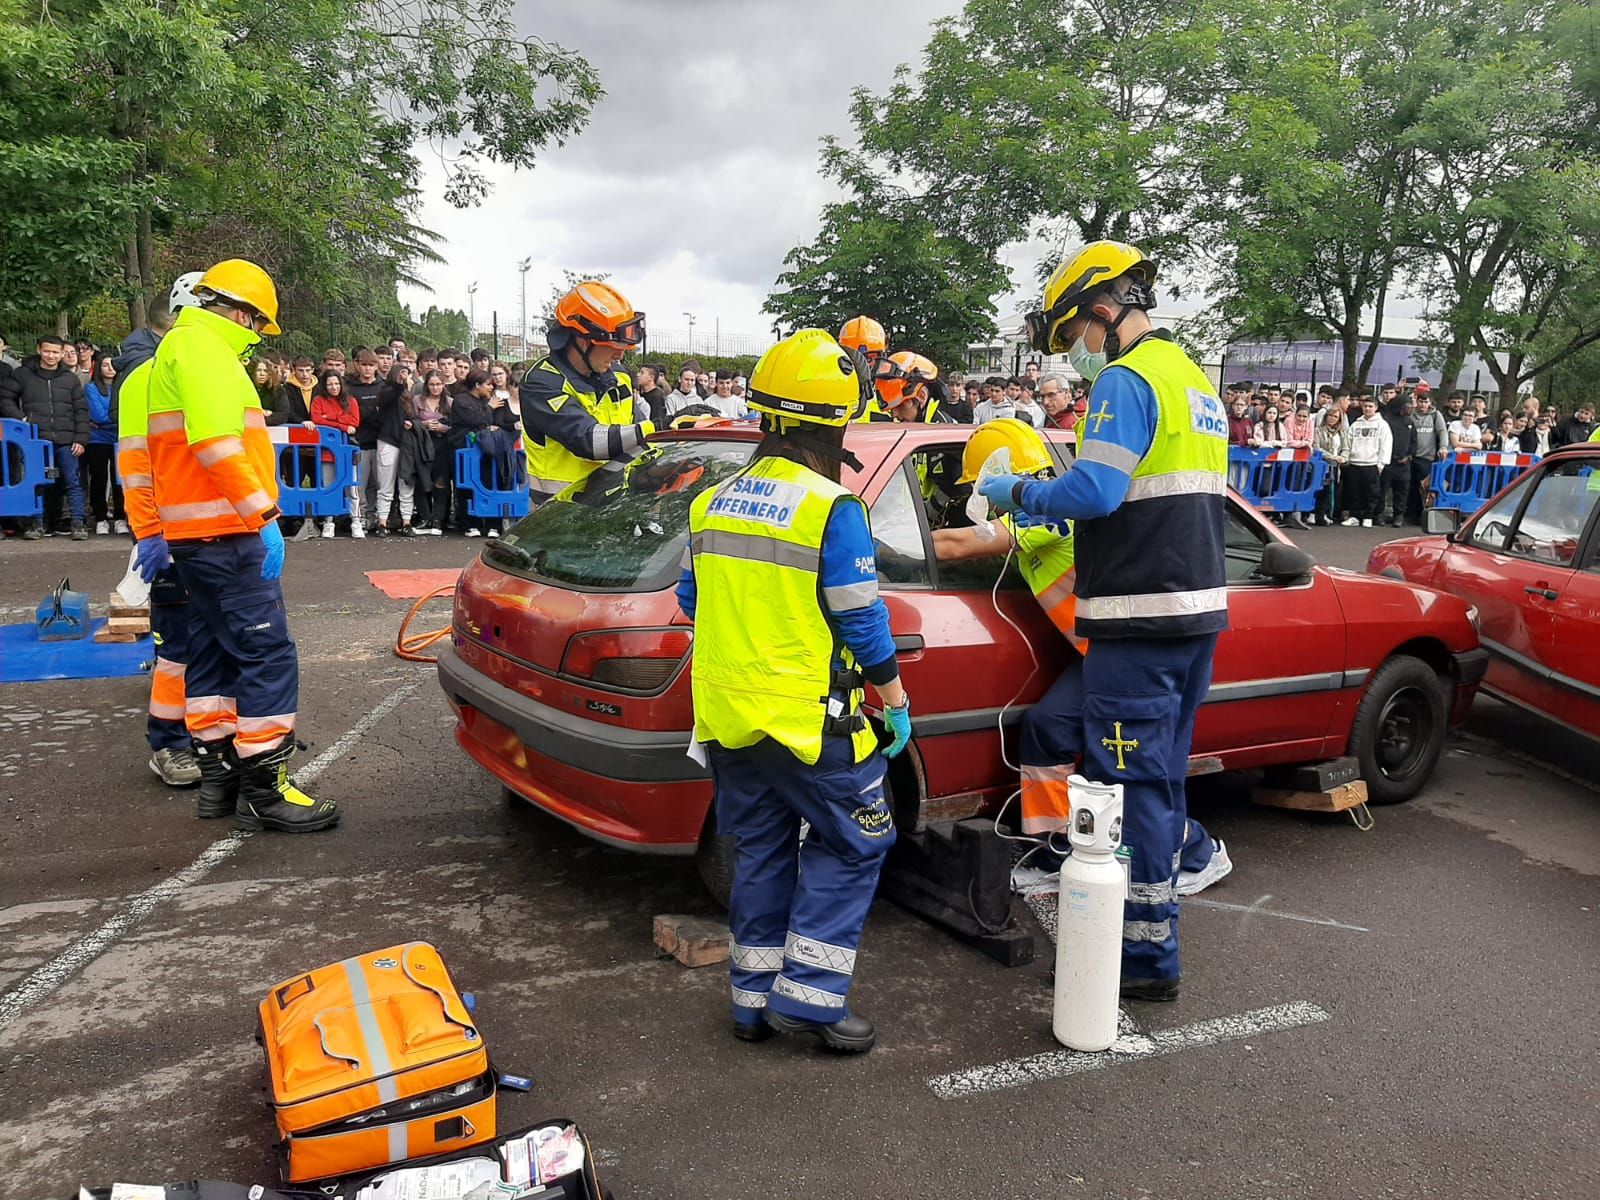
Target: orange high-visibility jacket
(211, 460)
(133, 451)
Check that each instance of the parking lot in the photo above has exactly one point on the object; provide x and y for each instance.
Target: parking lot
(1407, 1012)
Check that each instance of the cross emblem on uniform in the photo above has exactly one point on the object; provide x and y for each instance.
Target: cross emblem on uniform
(1119, 744)
(1101, 417)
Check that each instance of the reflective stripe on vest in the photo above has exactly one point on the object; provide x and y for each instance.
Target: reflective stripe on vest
(1155, 567)
(1045, 556)
(552, 467)
(764, 654)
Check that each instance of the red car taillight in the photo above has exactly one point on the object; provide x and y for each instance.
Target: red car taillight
(638, 660)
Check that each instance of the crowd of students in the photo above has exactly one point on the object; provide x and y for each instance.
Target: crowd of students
(1381, 446)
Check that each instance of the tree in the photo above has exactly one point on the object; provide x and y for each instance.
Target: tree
(880, 255)
(171, 107)
(1310, 194)
(1067, 118)
(1510, 189)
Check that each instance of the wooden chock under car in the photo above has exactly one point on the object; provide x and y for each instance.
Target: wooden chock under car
(1330, 787)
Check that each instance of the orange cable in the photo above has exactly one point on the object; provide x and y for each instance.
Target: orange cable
(410, 648)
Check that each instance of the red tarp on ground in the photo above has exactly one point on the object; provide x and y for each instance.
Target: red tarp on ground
(413, 585)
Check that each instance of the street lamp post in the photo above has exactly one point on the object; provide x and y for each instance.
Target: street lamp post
(690, 315)
(472, 311)
(523, 267)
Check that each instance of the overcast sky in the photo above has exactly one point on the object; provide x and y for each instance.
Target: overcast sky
(705, 147)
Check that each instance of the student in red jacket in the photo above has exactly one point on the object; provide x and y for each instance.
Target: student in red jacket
(334, 408)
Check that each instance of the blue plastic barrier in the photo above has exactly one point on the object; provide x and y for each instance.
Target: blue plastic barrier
(1465, 480)
(1277, 480)
(27, 467)
(301, 451)
(487, 494)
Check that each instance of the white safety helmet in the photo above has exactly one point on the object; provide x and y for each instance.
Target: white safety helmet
(183, 294)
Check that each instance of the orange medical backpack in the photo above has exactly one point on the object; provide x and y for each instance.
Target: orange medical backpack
(372, 1061)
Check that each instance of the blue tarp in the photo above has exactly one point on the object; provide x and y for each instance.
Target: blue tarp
(25, 659)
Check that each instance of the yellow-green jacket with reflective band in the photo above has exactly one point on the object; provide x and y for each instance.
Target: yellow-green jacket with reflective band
(764, 653)
(570, 431)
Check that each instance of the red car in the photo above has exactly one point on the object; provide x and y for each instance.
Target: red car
(569, 663)
(1529, 562)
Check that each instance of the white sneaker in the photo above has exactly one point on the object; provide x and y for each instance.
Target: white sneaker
(1220, 866)
(102, 527)
(493, 532)
(1349, 521)
(434, 531)
(357, 529)
(327, 530)
(122, 527)
(474, 532)
(1367, 524)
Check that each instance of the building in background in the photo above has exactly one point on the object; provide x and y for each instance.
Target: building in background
(1306, 364)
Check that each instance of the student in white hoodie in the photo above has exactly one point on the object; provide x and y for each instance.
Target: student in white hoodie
(1371, 445)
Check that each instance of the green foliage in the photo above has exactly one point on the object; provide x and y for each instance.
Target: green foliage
(160, 135)
(879, 254)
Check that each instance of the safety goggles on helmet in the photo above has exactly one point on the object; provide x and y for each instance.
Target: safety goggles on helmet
(903, 376)
(625, 336)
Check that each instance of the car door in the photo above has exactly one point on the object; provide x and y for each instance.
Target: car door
(966, 649)
(1517, 563)
(1575, 632)
(1279, 666)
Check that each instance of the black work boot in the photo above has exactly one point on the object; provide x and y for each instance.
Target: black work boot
(219, 779)
(852, 1035)
(267, 800)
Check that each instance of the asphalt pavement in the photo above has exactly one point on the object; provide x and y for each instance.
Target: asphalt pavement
(1407, 1012)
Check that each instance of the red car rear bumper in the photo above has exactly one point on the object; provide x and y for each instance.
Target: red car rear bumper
(630, 788)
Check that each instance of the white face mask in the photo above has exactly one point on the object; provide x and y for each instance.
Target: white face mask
(1086, 362)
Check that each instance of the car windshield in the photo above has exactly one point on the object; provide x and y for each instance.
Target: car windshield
(623, 529)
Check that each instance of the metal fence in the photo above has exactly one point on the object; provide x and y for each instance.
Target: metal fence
(501, 337)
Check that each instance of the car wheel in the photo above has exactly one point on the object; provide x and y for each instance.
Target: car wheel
(1399, 729)
(714, 858)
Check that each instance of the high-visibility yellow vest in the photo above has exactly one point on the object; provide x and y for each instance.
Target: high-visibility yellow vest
(133, 451)
(1156, 566)
(1046, 558)
(765, 657)
(552, 467)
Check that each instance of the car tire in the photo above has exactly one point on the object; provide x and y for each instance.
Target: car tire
(714, 858)
(1399, 729)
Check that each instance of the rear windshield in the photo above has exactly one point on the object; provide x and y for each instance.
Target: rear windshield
(622, 530)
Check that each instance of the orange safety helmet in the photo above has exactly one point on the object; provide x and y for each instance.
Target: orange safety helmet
(864, 334)
(602, 314)
(903, 376)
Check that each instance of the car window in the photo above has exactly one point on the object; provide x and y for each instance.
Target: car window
(1552, 524)
(1493, 526)
(1245, 543)
(619, 530)
(897, 534)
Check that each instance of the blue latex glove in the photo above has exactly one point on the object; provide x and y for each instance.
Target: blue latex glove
(272, 539)
(151, 557)
(899, 722)
(997, 491)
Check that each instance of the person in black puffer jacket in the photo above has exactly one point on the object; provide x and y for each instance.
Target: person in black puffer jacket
(50, 397)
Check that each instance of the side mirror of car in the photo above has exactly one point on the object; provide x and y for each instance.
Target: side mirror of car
(1442, 520)
(1283, 563)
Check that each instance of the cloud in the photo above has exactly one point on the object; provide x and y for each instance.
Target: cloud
(697, 171)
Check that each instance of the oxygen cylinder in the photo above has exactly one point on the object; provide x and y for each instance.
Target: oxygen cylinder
(1094, 884)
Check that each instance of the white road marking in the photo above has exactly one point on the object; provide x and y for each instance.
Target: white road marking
(1058, 1064)
(81, 953)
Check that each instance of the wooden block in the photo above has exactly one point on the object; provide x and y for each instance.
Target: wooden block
(116, 608)
(138, 626)
(693, 941)
(1346, 795)
(111, 635)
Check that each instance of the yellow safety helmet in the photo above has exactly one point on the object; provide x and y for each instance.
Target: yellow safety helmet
(241, 280)
(1080, 278)
(903, 376)
(1028, 453)
(808, 377)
